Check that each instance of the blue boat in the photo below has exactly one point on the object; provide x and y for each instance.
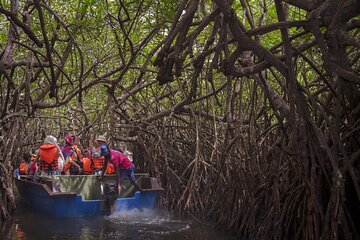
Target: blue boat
(84, 195)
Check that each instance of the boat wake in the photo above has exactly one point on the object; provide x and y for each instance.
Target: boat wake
(149, 223)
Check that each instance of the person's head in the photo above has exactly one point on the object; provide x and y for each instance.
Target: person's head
(70, 139)
(50, 140)
(27, 157)
(100, 140)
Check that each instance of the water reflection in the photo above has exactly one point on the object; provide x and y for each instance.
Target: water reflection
(139, 225)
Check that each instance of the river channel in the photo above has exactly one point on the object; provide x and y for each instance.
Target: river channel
(135, 225)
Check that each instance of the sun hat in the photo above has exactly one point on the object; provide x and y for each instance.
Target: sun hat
(101, 138)
(50, 140)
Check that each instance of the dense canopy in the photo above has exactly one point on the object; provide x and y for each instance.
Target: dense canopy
(247, 111)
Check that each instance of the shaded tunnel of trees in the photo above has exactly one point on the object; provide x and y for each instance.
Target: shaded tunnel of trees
(246, 111)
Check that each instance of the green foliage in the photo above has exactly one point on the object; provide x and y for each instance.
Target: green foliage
(104, 35)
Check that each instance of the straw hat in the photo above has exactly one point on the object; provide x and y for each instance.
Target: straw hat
(101, 138)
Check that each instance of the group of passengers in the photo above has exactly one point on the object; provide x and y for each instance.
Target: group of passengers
(69, 160)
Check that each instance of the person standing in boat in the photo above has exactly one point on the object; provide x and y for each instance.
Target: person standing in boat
(122, 165)
(71, 155)
(50, 157)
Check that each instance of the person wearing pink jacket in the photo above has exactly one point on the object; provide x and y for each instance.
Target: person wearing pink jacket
(122, 165)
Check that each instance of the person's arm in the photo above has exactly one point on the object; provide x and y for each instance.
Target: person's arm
(74, 163)
(103, 170)
(105, 152)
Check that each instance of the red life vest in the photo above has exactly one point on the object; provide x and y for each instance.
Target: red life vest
(87, 166)
(48, 157)
(23, 167)
(98, 162)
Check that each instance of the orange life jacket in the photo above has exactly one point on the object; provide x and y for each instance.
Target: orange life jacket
(110, 168)
(23, 167)
(87, 166)
(98, 162)
(48, 157)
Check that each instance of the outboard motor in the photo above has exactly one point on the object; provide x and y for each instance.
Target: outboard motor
(111, 194)
(110, 189)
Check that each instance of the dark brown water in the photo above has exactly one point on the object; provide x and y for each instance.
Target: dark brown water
(30, 225)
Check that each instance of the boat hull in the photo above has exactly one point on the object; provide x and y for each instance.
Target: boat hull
(42, 196)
